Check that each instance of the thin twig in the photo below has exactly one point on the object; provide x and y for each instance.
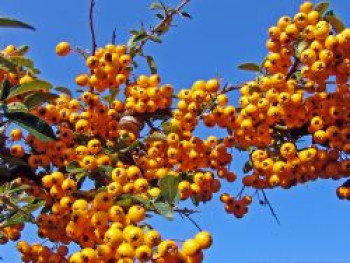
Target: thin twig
(293, 68)
(266, 200)
(192, 221)
(239, 195)
(165, 22)
(230, 88)
(92, 29)
(114, 36)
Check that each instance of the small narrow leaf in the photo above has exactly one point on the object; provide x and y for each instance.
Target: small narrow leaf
(156, 5)
(164, 210)
(187, 15)
(7, 65)
(34, 125)
(322, 7)
(155, 38)
(12, 23)
(64, 90)
(36, 85)
(160, 16)
(22, 50)
(33, 100)
(151, 64)
(249, 67)
(155, 136)
(335, 22)
(22, 62)
(5, 89)
(16, 106)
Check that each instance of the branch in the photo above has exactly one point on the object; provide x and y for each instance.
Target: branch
(166, 22)
(92, 29)
(270, 207)
(293, 68)
(229, 88)
(193, 222)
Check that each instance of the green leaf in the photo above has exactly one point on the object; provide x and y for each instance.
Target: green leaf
(36, 85)
(155, 136)
(74, 167)
(160, 16)
(335, 21)
(248, 166)
(22, 50)
(5, 64)
(12, 23)
(36, 99)
(322, 7)
(16, 219)
(13, 160)
(34, 125)
(249, 67)
(151, 64)
(140, 37)
(155, 6)
(187, 15)
(168, 128)
(64, 90)
(169, 187)
(105, 169)
(195, 201)
(34, 205)
(301, 46)
(164, 210)
(22, 62)
(155, 38)
(16, 106)
(5, 89)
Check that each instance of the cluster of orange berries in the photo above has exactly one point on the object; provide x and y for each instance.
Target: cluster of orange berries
(40, 253)
(20, 76)
(146, 95)
(237, 207)
(12, 233)
(290, 167)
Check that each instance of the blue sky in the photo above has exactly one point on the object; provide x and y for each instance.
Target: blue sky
(222, 34)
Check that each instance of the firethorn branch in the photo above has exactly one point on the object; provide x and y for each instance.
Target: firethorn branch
(267, 202)
(163, 24)
(92, 29)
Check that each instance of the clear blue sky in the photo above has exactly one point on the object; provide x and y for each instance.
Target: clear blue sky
(222, 34)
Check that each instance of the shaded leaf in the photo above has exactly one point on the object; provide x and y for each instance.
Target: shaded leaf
(64, 90)
(302, 45)
(22, 50)
(74, 167)
(195, 200)
(335, 21)
(36, 85)
(322, 7)
(156, 5)
(36, 99)
(187, 15)
(169, 187)
(5, 89)
(34, 125)
(160, 16)
(5, 64)
(20, 61)
(249, 67)
(164, 210)
(12, 23)
(155, 38)
(248, 166)
(155, 136)
(151, 64)
(16, 106)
